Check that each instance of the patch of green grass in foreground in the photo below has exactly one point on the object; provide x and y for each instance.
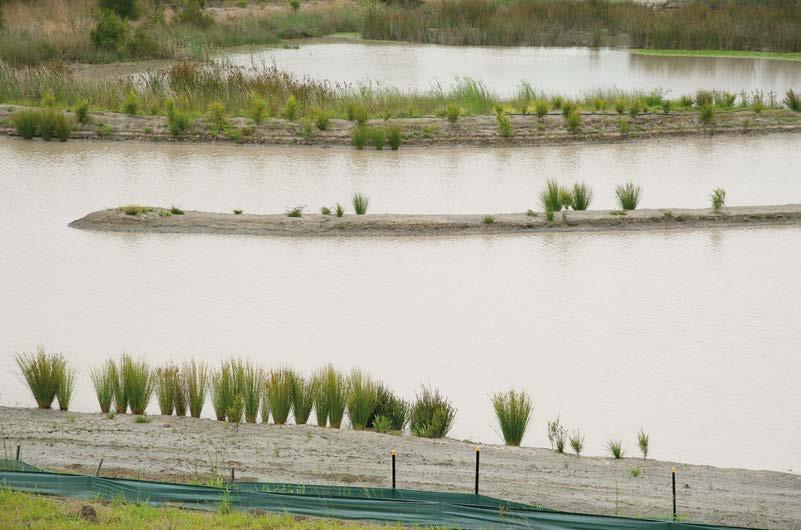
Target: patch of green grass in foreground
(787, 56)
(23, 510)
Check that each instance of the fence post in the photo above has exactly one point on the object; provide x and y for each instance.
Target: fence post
(18, 448)
(99, 465)
(232, 475)
(393, 468)
(478, 458)
(673, 477)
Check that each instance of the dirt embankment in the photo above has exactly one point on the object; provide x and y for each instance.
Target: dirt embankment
(157, 220)
(477, 131)
(181, 449)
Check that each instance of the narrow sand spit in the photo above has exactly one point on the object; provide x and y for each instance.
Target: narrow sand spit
(471, 131)
(315, 225)
(182, 449)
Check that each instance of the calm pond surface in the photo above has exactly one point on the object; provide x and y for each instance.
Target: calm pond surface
(554, 70)
(689, 334)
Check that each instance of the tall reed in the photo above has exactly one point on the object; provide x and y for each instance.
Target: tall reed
(139, 382)
(279, 390)
(253, 386)
(104, 380)
(431, 415)
(302, 398)
(513, 411)
(41, 372)
(335, 387)
(165, 388)
(581, 196)
(320, 397)
(362, 399)
(222, 392)
(195, 376)
(550, 197)
(65, 374)
(120, 397)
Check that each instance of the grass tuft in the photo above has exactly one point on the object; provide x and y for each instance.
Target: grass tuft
(628, 196)
(513, 411)
(279, 390)
(792, 100)
(303, 394)
(581, 196)
(104, 379)
(252, 388)
(718, 200)
(615, 448)
(431, 415)
(550, 196)
(41, 372)
(195, 376)
(577, 442)
(362, 399)
(642, 443)
(360, 203)
(138, 382)
(166, 378)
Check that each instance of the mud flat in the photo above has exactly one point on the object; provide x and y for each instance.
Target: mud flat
(472, 131)
(157, 220)
(181, 449)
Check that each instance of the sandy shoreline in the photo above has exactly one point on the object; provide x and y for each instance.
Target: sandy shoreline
(472, 131)
(389, 225)
(170, 448)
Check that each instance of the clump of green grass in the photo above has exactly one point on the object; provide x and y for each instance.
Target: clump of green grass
(568, 106)
(382, 424)
(62, 126)
(394, 137)
(104, 379)
(178, 122)
(258, 109)
(635, 107)
(581, 196)
(335, 389)
(325, 210)
(141, 419)
(667, 105)
(65, 375)
(620, 105)
(362, 399)
(291, 109)
(550, 196)
(360, 203)
(573, 120)
(623, 126)
(577, 442)
(303, 397)
(706, 114)
(26, 123)
(615, 448)
(557, 435)
(320, 401)
(359, 114)
(453, 112)
(340, 210)
(488, 219)
(322, 119)
(431, 414)
(718, 200)
(135, 209)
(297, 211)
(238, 211)
(216, 116)
(82, 111)
(642, 443)
(379, 137)
(541, 109)
(635, 472)
(359, 136)
(42, 372)
(138, 382)
(628, 196)
(222, 393)
(792, 100)
(131, 105)
(513, 412)
(166, 378)
(279, 390)
(195, 376)
(120, 398)
(390, 408)
(504, 123)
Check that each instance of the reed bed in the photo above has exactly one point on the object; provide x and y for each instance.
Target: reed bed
(727, 25)
(513, 412)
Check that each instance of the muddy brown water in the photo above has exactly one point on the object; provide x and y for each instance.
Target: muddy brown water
(571, 71)
(692, 335)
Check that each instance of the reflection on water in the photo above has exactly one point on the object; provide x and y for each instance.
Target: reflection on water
(563, 70)
(688, 334)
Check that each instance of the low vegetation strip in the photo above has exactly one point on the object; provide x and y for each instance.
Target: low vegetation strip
(316, 225)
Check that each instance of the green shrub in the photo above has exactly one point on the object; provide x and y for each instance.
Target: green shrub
(297, 211)
(568, 106)
(131, 104)
(62, 126)
(216, 116)
(628, 196)
(322, 119)
(238, 211)
(340, 210)
(279, 391)
(258, 109)
(123, 8)
(359, 136)
(179, 122)
(622, 125)
(191, 12)
(294, 4)
(513, 412)
(391, 408)
(110, 32)
(686, 101)
(431, 415)
(557, 102)
(360, 203)
(394, 137)
(42, 372)
(82, 111)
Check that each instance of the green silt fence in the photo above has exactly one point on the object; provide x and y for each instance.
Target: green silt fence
(406, 507)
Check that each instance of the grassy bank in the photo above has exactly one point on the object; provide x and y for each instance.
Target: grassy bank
(24, 510)
(786, 56)
(70, 31)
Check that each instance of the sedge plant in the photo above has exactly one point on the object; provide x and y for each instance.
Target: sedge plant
(513, 412)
